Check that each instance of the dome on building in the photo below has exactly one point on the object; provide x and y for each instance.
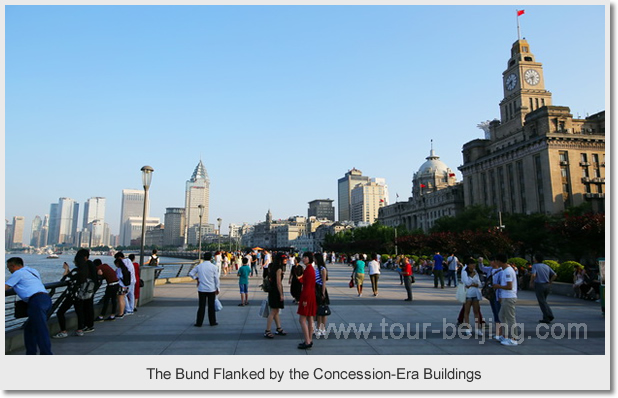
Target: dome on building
(433, 166)
(432, 176)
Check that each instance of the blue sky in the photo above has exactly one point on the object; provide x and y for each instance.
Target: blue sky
(278, 101)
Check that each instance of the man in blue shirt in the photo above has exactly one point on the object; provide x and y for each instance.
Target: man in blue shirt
(541, 278)
(28, 286)
(438, 270)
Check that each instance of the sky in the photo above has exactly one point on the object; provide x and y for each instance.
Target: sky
(277, 101)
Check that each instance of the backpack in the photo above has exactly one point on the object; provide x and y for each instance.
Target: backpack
(265, 284)
(153, 261)
(126, 276)
(488, 291)
(85, 291)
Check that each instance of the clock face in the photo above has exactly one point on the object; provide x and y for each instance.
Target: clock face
(532, 77)
(511, 81)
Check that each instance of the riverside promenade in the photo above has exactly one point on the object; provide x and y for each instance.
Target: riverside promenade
(367, 325)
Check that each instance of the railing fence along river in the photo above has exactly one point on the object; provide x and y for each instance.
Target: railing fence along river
(51, 271)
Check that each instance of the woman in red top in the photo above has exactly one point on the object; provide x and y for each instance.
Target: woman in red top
(406, 272)
(307, 306)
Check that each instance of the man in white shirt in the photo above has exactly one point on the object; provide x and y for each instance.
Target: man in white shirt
(267, 261)
(374, 273)
(508, 299)
(207, 276)
(453, 263)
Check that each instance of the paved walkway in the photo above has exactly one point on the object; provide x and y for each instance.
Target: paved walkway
(425, 326)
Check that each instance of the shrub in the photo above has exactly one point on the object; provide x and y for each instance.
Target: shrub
(566, 270)
(518, 261)
(553, 265)
(384, 258)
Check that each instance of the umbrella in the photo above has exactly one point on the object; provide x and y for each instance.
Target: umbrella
(257, 248)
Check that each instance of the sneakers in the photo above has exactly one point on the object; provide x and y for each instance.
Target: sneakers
(479, 333)
(79, 333)
(60, 335)
(129, 313)
(88, 330)
(120, 316)
(110, 318)
(499, 339)
(509, 342)
(468, 332)
(99, 319)
(319, 332)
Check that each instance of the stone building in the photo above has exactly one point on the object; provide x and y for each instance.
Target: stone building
(537, 158)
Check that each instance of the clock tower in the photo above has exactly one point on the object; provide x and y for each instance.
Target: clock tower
(524, 89)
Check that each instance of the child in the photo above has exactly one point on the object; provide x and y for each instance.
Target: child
(243, 282)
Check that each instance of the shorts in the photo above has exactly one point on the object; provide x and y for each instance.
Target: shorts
(122, 290)
(472, 299)
(244, 288)
(359, 279)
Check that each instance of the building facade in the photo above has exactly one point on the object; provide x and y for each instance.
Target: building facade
(175, 229)
(322, 208)
(132, 207)
(197, 192)
(344, 192)
(366, 199)
(435, 194)
(537, 158)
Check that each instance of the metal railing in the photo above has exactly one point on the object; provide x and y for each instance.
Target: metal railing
(58, 291)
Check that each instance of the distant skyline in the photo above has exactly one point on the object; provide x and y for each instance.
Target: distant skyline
(278, 102)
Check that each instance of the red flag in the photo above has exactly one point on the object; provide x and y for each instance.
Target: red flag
(381, 200)
(423, 186)
(451, 174)
(520, 12)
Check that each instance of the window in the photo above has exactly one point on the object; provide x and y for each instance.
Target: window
(597, 173)
(595, 158)
(539, 184)
(522, 185)
(531, 105)
(564, 156)
(584, 158)
(585, 172)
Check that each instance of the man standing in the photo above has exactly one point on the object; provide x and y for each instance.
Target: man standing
(28, 286)
(508, 299)
(453, 263)
(207, 276)
(541, 278)
(267, 261)
(438, 270)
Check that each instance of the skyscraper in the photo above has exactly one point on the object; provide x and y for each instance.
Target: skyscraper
(132, 206)
(94, 209)
(35, 232)
(17, 233)
(322, 208)
(345, 186)
(366, 200)
(197, 193)
(174, 233)
(63, 222)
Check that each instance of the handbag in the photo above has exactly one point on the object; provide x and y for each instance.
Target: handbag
(412, 280)
(141, 283)
(21, 309)
(324, 310)
(351, 284)
(264, 309)
(460, 293)
(218, 305)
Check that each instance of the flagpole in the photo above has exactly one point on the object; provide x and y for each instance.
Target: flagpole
(518, 33)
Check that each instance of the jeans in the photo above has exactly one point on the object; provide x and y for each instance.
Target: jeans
(542, 291)
(451, 275)
(36, 333)
(495, 309)
(130, 299)
(438, 274)
(407, 282)
(111, 293)
(201, 309)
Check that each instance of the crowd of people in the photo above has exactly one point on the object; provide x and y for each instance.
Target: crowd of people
(497, 282)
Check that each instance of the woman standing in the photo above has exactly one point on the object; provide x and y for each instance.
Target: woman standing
(306, 304)
(124, 280)
(472, 282)
(374, 273)
(406, 274)
(359, 275)
(296, 271)
(321, 294)
(275, 295)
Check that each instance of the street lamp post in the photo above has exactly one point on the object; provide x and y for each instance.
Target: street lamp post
(219, 233)
(146, 179)
(199, 233)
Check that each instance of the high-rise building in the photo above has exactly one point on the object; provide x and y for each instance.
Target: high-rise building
(94, 209)
(174, 233)
(35, 232)
(366, 200)
(197, 192)
(344, 187)
(132, 207)
(133, 229)
(322, 208)
(63, 222)
(17, 232)
(537, 158)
